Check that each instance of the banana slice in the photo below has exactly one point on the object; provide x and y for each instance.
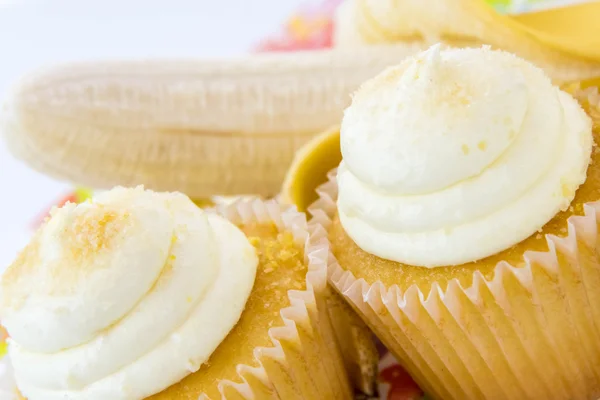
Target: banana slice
(202, 127)
(310, 167)
(465, 23)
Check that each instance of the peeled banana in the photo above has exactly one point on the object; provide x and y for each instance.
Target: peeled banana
(201, 127)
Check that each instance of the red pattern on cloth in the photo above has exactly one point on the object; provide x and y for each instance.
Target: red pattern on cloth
(402, 387)
(309, 29)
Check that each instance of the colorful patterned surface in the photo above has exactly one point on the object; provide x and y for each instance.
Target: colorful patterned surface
(311, 28)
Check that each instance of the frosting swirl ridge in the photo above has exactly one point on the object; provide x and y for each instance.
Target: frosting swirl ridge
(455, 155)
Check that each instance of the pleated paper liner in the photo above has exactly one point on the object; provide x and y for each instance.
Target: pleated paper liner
(354, 338)
(304, 360)
(531, 331)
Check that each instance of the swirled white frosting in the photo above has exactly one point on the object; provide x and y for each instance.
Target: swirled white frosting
(455, 155)
(123, 296)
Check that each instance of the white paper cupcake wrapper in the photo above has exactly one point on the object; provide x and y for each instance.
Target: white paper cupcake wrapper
(352, 335)
(530, 332)
(315, 369)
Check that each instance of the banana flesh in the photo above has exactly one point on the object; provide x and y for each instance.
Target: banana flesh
(202, 127)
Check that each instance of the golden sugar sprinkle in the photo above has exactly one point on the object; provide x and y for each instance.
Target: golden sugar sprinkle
(93, 231)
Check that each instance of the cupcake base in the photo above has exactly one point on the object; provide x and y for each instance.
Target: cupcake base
(529, 332)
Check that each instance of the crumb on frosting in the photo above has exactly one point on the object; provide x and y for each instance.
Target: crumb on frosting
(93, 231)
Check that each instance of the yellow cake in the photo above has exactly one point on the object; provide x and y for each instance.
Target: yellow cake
(262, 327)
(510, 308)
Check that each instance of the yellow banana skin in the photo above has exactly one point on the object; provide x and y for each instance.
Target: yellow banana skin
(474, 22)
(202, 127)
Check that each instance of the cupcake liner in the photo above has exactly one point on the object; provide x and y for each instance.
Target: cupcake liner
(352, 336)
(532, 331)
(304, 361)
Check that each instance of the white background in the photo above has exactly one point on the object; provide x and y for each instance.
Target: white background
(54, 31)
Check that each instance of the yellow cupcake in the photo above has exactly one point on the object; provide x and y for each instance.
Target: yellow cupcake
(142, 295)
(465, 226)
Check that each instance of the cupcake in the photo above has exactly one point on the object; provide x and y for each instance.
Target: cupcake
(143, 295)
(354, 338)
(463, 219)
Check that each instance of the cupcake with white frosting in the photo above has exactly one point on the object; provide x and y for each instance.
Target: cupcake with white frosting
(464, 220)
(142, 295)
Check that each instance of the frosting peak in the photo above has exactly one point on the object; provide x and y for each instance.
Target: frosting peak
(438, 110)
(455, 155)
(118, 297)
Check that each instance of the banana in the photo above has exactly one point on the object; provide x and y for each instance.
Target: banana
(467, 23)
(202, 127)
(310, 167)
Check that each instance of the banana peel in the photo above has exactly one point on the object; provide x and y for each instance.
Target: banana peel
(573, 29)
(565, 38)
